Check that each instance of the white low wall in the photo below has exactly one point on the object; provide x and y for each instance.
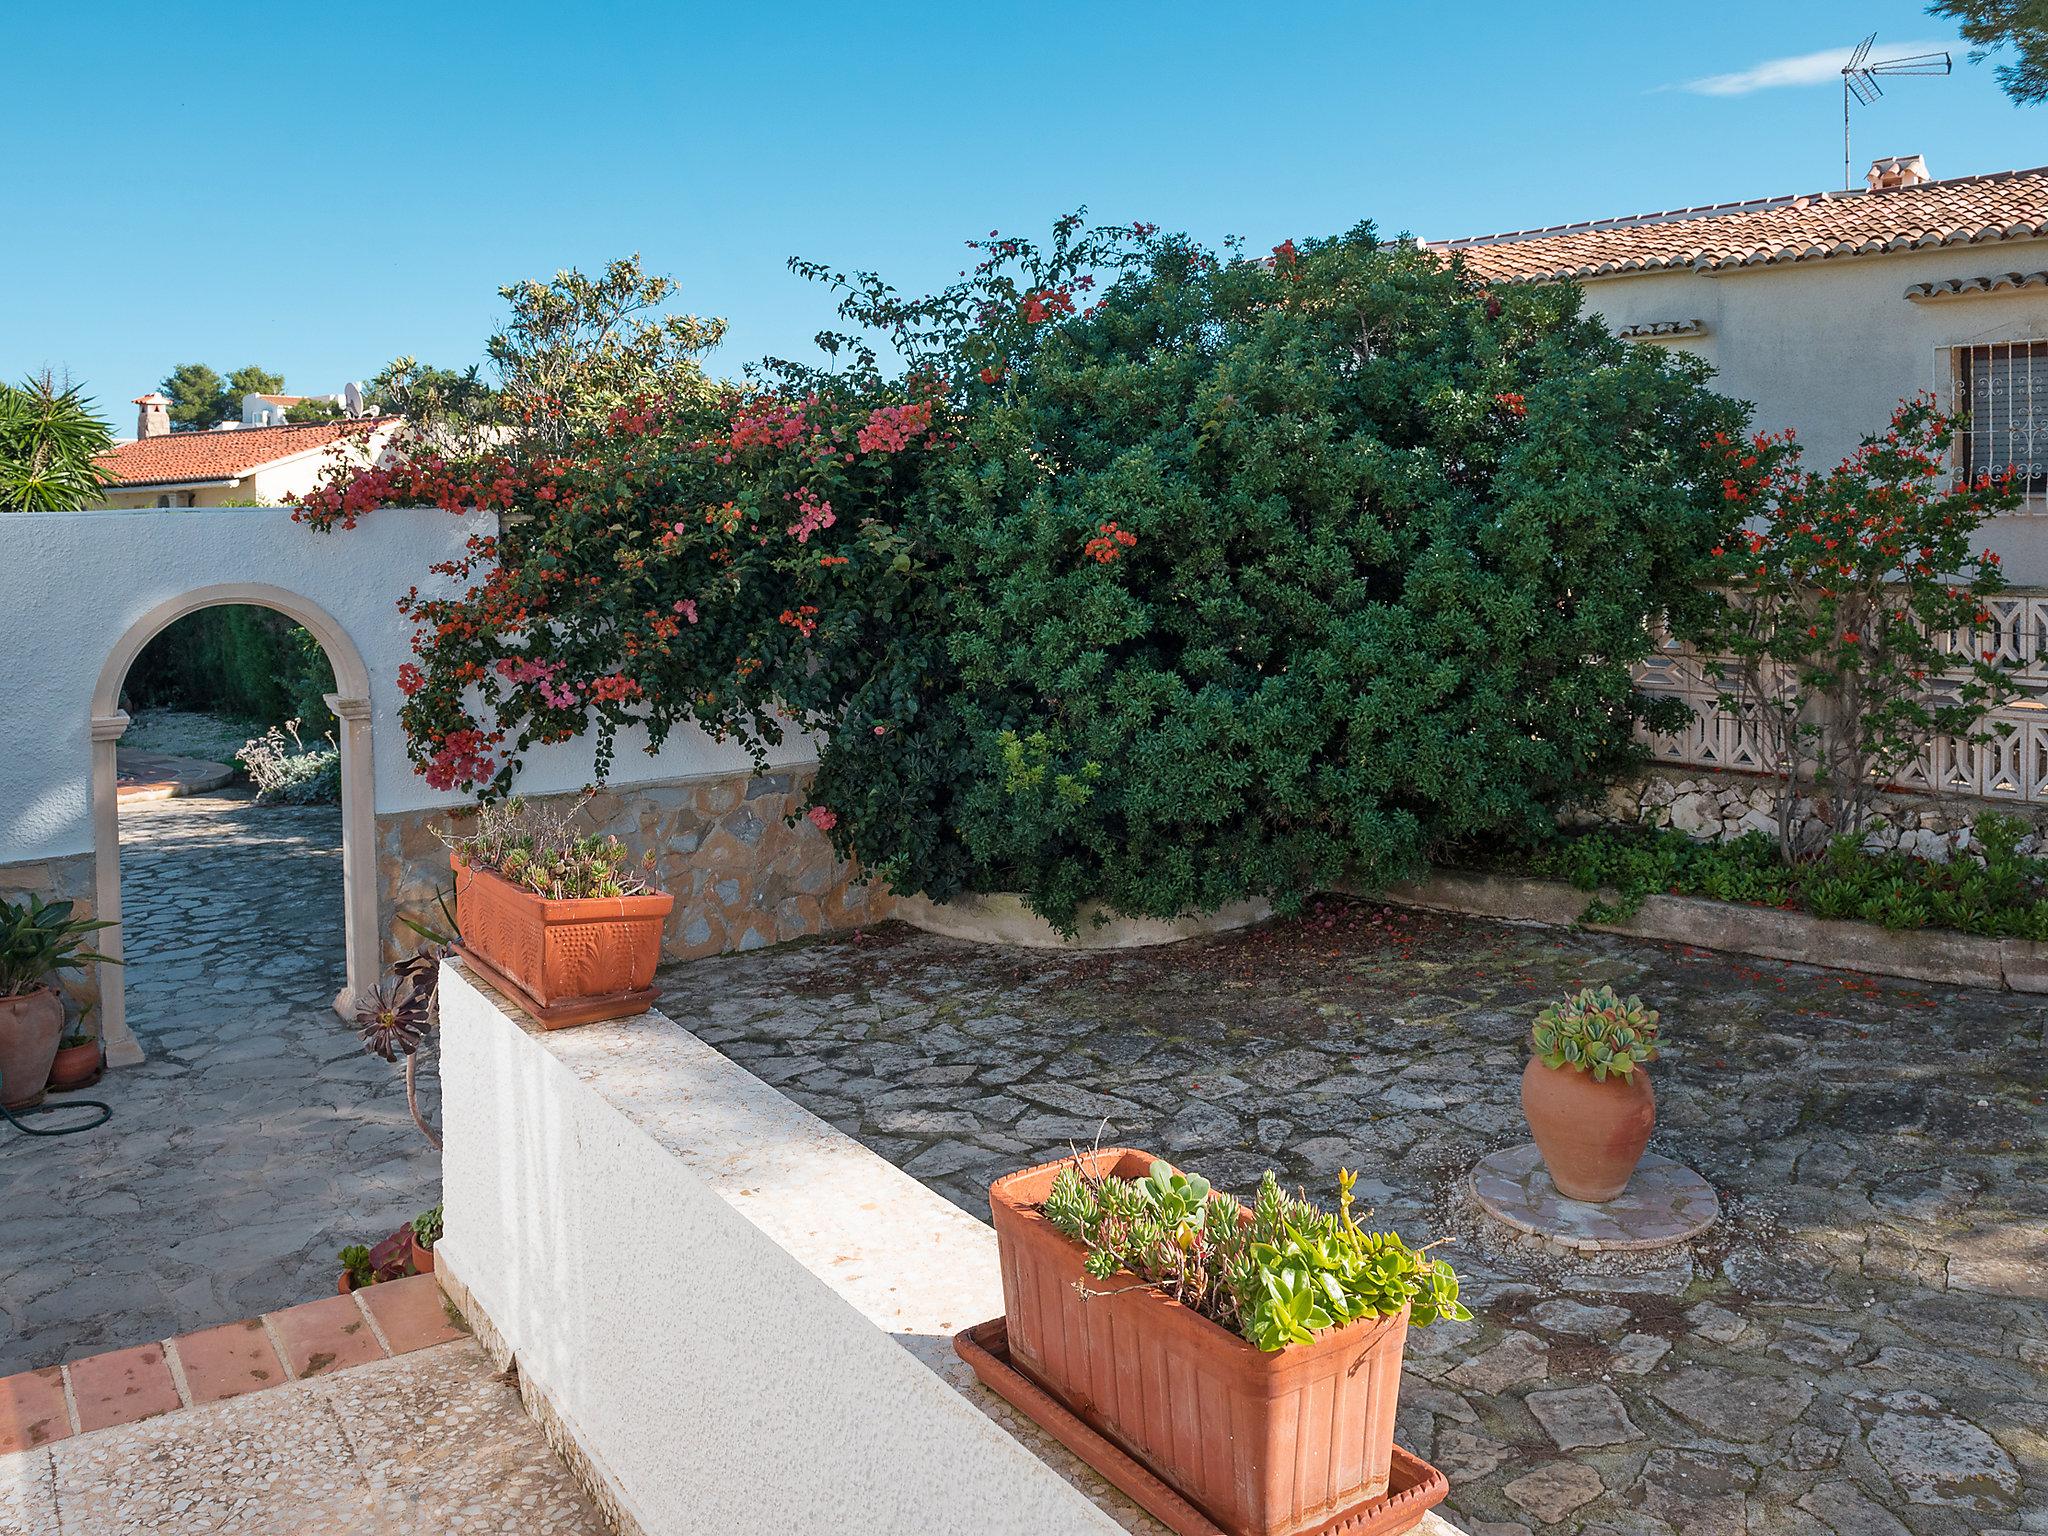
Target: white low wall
(75, 585)
(740, 1317)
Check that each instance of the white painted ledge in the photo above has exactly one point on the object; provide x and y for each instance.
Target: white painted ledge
(739, 1319)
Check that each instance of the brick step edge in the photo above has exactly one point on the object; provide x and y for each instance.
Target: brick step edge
(1916, 954)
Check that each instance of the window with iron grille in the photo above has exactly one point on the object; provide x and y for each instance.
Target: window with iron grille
(2002, 393)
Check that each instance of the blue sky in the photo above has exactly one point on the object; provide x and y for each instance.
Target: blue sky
(319, 188)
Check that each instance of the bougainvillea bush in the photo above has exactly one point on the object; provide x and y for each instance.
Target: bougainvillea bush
(1146, 575)
(1854, 633)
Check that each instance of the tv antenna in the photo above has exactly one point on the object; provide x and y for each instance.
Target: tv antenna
(1860, 78)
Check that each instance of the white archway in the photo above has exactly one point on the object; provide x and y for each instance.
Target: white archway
(351, 705)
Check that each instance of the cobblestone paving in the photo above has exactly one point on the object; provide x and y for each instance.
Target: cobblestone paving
(1860, 1347)
(257, 1138)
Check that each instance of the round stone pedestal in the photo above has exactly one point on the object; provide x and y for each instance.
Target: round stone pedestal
(1664, 1203)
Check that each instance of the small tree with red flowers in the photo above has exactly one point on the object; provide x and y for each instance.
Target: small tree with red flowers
(1852, 638)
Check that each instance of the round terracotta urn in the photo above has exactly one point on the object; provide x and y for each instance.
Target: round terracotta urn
(30, 1027)
(1591, 1134)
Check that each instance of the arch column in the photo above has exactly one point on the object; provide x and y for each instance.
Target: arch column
(123, 1049)
(358, 850)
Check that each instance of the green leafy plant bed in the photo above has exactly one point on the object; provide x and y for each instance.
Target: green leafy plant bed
(1990, 890)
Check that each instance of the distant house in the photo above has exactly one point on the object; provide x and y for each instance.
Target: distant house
(1824, 310)
(273, 410)
(228, 466)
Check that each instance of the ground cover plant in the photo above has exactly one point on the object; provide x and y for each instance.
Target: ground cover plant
(1140, 574)
(287, 770)
(1288, 1273)
(1990, 889)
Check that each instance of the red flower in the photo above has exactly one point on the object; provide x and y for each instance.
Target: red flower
(822, 818)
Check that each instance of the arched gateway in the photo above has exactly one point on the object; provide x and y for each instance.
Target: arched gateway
(351, 705)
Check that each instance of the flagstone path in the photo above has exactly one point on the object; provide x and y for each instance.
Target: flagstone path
(1859, 1347)
(255, 1141)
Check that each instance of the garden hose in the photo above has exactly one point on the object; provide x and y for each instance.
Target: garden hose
(106, 1113)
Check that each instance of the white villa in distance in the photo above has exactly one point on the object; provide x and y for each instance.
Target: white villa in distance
(1824, 310)
(259, 461)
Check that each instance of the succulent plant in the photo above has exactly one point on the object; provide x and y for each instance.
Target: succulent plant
(1596, 1031)
(1288, 1273)
(392, 1017)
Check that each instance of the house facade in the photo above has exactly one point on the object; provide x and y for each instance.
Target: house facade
(228, 466)
(1825, 310)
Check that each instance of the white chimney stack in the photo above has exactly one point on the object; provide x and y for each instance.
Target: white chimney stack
(1897, 171)
(153, 418)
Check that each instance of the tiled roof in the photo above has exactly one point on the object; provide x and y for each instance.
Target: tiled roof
(179, 457)
(1964, 210)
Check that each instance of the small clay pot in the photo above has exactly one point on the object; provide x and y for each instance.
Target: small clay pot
(345, 1284)
(422, 1258)
(76, 1066)
(1591, 1134)
(30, 1027)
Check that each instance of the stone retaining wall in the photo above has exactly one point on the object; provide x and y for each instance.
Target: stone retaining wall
(1718, 807)
(742, 876)
(59, 879)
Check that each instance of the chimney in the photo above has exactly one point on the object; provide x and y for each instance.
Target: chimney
(1897, 171)
(154, 419)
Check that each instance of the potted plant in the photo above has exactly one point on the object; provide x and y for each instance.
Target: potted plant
(559, 920)
(356, 1270)
(420, 1238)
(1586, 1093)
(37, 939)
(1251, 1358)
(80, 1059)
(362, 1266)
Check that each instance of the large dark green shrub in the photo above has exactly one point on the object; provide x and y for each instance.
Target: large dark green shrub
(237, 660)
(1263, 576)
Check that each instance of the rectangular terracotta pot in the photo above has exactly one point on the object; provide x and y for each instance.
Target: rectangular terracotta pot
(1267, 1444)
(569, 962)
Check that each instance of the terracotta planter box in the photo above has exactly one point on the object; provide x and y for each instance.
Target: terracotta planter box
(1266, 1444)
(564, 962)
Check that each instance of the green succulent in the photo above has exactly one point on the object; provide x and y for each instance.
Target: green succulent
(1596, 1031)
(1278, 1277)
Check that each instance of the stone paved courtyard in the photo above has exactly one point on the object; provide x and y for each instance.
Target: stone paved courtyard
(256, 1140)
(1861, 1346)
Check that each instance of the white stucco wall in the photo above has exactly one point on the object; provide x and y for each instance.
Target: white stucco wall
(740, 1315)
(73, 584)
(1830, 347)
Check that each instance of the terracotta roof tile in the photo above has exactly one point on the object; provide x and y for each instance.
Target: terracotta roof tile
(1963, 210)
(178, 457)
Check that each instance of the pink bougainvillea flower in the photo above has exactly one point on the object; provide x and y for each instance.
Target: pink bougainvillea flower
(822, 818)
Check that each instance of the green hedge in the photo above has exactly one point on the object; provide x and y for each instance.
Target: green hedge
(240, 660)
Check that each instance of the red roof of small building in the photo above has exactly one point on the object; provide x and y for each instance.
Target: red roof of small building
(179, 458)
(1963, 210)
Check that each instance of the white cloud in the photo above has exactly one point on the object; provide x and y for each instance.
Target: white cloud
(1799, 69)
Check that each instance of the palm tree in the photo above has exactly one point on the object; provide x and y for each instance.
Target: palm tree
(50, 442)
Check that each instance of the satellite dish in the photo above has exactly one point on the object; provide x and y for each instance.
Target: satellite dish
(352, 400)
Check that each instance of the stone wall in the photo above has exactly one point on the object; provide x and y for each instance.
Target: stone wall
(1718, 807)
(742, 877)
(59, 879)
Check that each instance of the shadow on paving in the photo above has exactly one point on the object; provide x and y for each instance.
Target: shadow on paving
(255, 1141)
(1861, 1345)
